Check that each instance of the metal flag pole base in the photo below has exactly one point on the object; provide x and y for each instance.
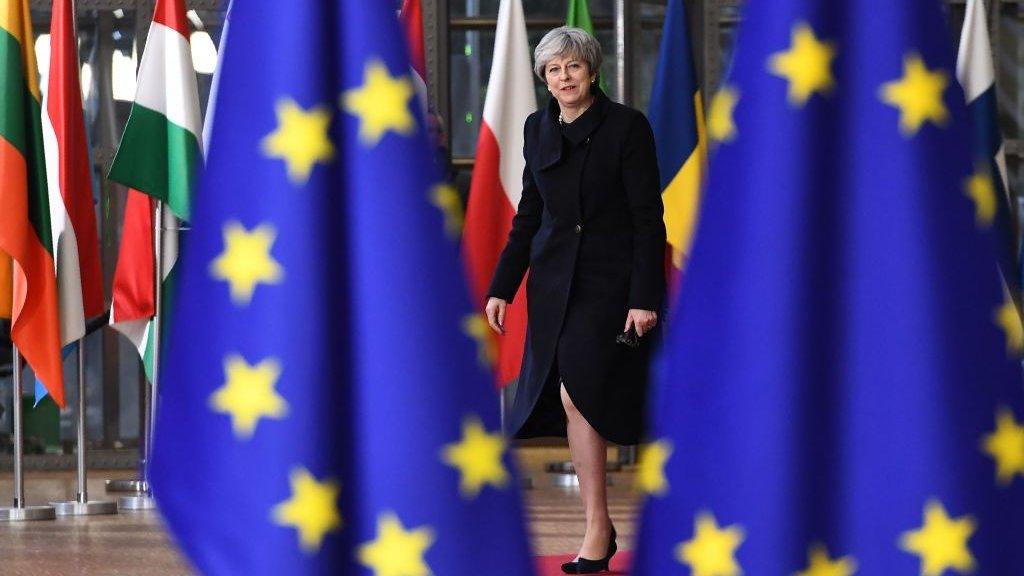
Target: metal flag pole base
(90, 508)
(82, 506)
(19, 512)
(136, 502)
(126, 485)
(27, 513)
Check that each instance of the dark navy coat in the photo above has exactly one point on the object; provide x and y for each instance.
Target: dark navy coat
(590, 229)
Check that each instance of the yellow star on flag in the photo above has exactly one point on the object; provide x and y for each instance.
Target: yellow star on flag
(941, 542)
(819, 564)
(721, 127)
(1006, 446)
(312, 509)
(446, 198)
(381, 103)
(395, 551)
(807, 65)
(918, 95)
(475, 326)
(979, 188)
(248, 394)
(712, 550)
(650, 474)
(246, 260)
(477, 457)
(1007, 318)
(300, 138)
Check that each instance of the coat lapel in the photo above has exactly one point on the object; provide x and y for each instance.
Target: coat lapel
(580, 131)
(549, 149)
(550, 146)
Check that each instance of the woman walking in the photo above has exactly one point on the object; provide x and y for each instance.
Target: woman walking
(590, 229)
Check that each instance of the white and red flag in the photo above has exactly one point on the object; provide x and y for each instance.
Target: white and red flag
(498, 176)
(69, 180)
(411, 17)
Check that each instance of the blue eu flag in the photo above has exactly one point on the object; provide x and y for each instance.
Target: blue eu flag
(321, 407)
(840, 390)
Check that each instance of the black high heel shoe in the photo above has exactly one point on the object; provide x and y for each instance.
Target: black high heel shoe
(585, 566)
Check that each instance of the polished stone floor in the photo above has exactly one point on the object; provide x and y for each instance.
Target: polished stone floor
(135, 543)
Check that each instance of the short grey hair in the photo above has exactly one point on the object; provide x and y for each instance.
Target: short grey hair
(567, 41)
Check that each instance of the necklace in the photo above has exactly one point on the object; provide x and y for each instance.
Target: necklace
(561, 119)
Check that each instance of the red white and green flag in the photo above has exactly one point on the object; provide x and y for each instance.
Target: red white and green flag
(161, 150)
(25, 232)
(578, 16)
(160, 155)
(134, 292)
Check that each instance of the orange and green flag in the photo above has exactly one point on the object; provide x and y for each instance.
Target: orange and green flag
(25, 232)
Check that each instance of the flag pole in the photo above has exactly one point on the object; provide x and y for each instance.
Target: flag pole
(502, 407)
(20, 512)
(81, 505)
(138, 485)
(144, 499)
(624, 49)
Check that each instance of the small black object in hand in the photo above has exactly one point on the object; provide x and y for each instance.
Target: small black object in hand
(628, 338)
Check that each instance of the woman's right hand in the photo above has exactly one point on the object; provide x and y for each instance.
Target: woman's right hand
(496, 314)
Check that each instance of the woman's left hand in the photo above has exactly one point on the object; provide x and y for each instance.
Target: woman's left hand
(642, 320)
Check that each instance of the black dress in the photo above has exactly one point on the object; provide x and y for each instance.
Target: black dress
(590, 229)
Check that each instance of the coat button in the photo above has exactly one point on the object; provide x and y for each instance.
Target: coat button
(579, 228)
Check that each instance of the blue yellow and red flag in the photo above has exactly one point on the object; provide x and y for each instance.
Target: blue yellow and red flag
(676, 111)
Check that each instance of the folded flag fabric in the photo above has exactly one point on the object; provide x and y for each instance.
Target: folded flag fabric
(840, 390)
(317, 379)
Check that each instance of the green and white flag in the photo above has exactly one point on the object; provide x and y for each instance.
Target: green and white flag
(579, 17)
